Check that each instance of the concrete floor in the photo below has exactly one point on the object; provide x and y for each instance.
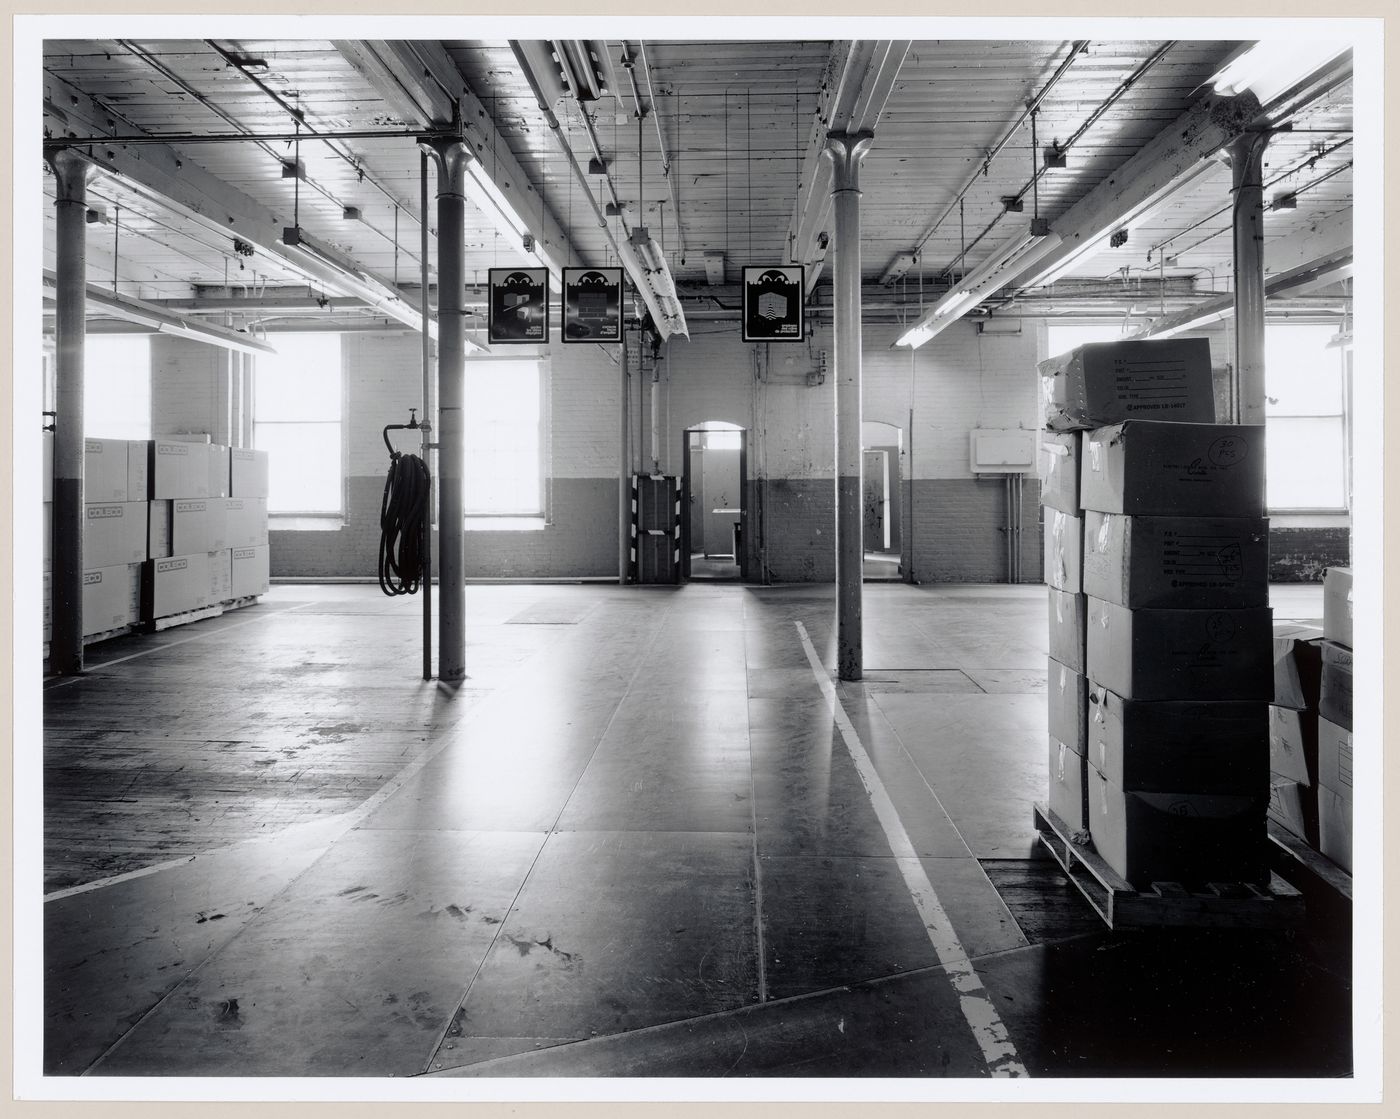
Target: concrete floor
(639, 840)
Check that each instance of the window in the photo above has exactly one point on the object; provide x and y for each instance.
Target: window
(1062, 337)
(296, 420)
(117, 387)
(1306, 430)
(503, 423)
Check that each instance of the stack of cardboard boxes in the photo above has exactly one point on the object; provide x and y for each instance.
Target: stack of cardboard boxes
(1160, 670)
(1334, 794)
(170, 527)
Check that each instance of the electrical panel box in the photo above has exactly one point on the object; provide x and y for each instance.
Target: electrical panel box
(1002, 451)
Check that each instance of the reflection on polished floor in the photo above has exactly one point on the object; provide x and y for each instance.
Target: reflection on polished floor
(638, 841)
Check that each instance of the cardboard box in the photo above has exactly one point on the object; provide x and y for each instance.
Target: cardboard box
(1174, 470)
(1068, 798)
(1295, 807)
(1334, 758)
(1059, 470)
(178, 469)
(218, 470)
(1067, 693)
(1335, 691)
(1293, 744)
(1209, 746)
(250, 571)
(46, 464)
(1064, 551)
(1334, 826)
(197, 525)
(1297, 665)
(1181, 654)
(1191, 838)
(138, 470)
(1104, 382)
(113, 533)
(248, 473)
(1195, 563)
(1336, 605)
(105, 470)
(111, 598)
(1068, 627)
(175, 585)
(221, 576)
(158, 535)
(245, 521)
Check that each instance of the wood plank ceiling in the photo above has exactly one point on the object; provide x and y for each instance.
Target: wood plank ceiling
(734, 118)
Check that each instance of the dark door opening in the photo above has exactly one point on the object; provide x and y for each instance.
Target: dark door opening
(714, 513)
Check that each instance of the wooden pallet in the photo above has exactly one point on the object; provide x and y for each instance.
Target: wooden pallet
(239, 603)
(188, 616)
(1166, 904)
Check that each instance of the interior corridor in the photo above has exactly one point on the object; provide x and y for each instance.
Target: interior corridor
(647, 837)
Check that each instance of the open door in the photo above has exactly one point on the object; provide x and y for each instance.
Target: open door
(715, 518)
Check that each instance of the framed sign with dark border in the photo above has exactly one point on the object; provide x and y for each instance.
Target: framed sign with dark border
(518, 312)
(592, 305)
(773, 310)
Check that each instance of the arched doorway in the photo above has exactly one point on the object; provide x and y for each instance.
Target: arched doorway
(714, 515)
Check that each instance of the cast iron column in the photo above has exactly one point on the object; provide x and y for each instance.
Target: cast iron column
(452, 156)
(70, 335)
(1246, 163)
(846, 151)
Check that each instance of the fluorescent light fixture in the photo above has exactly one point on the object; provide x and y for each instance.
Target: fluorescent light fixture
(564, 67)
(1270, 67)
(161, 321)
(1004, 265)
(646, 264)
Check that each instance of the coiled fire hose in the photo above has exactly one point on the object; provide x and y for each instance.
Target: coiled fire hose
(402, 516)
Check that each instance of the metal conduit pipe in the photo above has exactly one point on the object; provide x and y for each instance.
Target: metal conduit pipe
(429, 424)
(451, 155)
(66, 636)
(661, 147)
(1247, 164)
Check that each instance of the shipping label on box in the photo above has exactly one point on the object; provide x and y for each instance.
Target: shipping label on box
(1190, 563)
(250, 571)
(198, 526)
(111, 598)
(138, 470)
(1059, 470)
(218, 470)
(1068, 797)
(1334, 758)
(1336, 606)
(1067, 692)
(1335, 691)
(1104, 382)
(1295, 807)
(1191, 838)
(1068, 626)
(1293, 744)
(246, 521)
(1064, 547)
(1170, 469)
(179, 469)
(1334, 826)
(1181, 654)
(220, 576)
(1297, 665)
(114, 533)
(248, 473)
(104, 470)
(176, 585)
(1207, 746)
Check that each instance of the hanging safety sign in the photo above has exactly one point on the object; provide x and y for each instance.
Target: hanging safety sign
(519, 307)
(773, 303)
(592, 305)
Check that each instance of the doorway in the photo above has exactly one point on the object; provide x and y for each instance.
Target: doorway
(881, 521)
(714, 519)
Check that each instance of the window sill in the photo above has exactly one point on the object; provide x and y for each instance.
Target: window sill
(1309, 520)
(506, 524)
(285, 522)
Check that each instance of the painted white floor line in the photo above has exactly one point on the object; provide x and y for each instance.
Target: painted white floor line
(976, 1004)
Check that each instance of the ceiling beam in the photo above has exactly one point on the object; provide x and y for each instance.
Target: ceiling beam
(859, 79)
(423, 86)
